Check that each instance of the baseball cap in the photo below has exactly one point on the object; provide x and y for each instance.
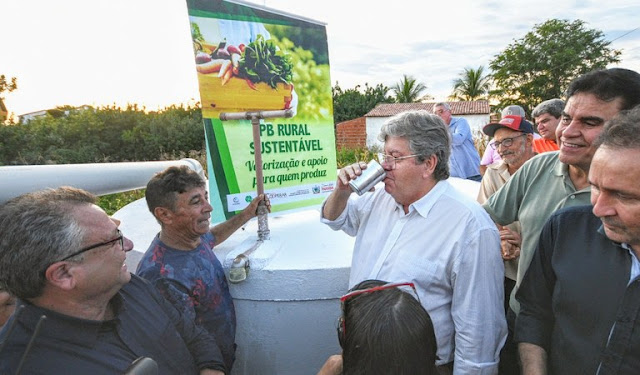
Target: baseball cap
(517, 123)
(515, 110)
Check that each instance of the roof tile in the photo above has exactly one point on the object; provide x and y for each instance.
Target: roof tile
(457, 108)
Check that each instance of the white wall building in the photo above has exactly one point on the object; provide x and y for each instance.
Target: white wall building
(477, 113)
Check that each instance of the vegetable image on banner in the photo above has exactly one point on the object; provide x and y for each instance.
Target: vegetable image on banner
(251, 59)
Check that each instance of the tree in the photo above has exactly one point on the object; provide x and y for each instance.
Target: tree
(540, 65)
(353, 103)
(7, 86)
(408, 90)
(471, 84)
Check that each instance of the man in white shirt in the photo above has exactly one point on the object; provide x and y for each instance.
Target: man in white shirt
(420, 229)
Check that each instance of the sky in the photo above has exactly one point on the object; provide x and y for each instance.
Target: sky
(119, 52)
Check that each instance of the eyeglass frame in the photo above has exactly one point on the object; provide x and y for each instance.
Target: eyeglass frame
(91, 247)
(342, 327)
(382, 158)
(495, 144)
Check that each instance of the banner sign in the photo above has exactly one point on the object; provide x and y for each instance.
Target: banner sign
(249, 59)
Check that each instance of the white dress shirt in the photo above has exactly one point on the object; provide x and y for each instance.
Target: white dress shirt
(449, 247)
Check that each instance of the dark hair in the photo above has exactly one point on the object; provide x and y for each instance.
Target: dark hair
(622, 131)
(37, 230)
(427, 135)
(164, 187)
(609, 84)
(387, 332)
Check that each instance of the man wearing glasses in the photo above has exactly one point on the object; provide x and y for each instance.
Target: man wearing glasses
(420, 229)
(553, 180)
(512, 139)
(79, 310)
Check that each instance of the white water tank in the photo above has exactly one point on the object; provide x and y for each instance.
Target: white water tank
(288, 307)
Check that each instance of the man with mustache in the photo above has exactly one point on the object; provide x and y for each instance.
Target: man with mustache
(580, 298)
(554, 180)
(512, 139)
(180, 261)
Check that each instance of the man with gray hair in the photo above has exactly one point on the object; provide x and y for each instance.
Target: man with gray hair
(546, 117)
(464, 161)
(580, 299)
(84, 313)
(491, 154)
(420, 229)
(554, 180)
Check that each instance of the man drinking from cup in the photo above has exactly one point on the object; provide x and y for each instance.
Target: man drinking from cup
(420, 229)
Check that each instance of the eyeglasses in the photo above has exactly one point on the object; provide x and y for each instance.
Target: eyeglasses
(391, 160)
(507, 142)
(84, 249)
(409, 288)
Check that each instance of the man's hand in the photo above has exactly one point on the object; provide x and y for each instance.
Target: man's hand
(510, 243)
(333, 366)
(337, 201)
(251, 210)
(348, 173)
(223, 230)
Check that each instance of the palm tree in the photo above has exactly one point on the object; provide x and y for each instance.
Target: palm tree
(472, 84)
(408, 90)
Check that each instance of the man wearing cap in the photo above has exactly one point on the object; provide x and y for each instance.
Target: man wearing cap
(465, 160)
(554, 180)
(547, 117)
(512, 137)
(491, 155)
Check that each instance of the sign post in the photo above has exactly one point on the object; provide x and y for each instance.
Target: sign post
(255, 117)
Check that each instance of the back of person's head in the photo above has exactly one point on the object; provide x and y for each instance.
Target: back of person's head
(622, 131)
(609, 84)
(164, 187)
(37, 230)
(386, 331)
(553, 107)
(427, 135)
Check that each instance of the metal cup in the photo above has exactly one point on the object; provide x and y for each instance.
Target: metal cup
(370, 176)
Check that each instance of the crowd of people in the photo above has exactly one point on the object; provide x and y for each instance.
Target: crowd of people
(539, 275)
(545, 279)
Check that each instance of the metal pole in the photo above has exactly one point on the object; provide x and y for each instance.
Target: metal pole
(263, 223)
(255, 117)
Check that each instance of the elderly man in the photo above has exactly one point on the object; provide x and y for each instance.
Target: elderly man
(491, 155)
(63, 258)
(580, 299)
(180, 261)
(553, 180)
(547, 117)
(422, 230)
(512, 137)
(465, 160)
